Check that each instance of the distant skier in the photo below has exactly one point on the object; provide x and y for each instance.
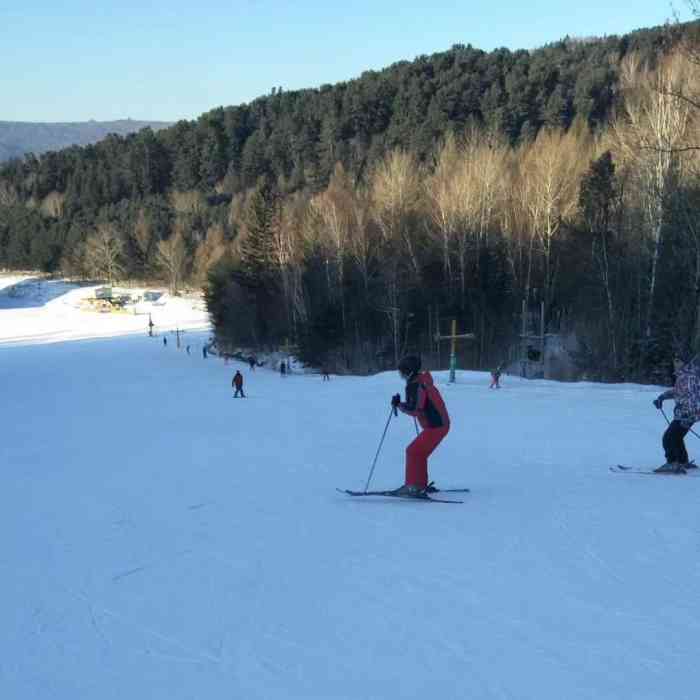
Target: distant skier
(496, 377)
(204, 351)
(283, 368)
(237, 384)
(187, 349)
(165, 341)
(424, 402)
(686, 393)
(326, 376)
(251, 363)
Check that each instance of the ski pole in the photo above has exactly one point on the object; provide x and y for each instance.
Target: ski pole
(392, 410)
(415, 424)
(669, 422)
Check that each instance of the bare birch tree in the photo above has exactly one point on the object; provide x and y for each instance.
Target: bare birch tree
(172, 258)
(650, 135)
(363, 236)
(396, 190)
(334, 211)
(209, 252)
(443, 201)
(288, 257)
(552, 167)
(103, 253)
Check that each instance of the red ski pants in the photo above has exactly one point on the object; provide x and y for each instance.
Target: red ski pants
(417, 454)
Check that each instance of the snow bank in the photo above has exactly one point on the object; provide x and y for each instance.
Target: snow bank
(45, 311)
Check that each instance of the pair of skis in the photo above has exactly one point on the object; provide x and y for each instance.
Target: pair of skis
(622, 469)
(423, 496)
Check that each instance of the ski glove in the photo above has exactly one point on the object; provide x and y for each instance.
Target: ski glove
(658, 402)
(395, 400)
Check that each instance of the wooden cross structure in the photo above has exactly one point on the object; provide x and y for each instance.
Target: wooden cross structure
(453, 351)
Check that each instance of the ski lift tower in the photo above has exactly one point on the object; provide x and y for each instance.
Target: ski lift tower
(527, 340)
(535, 348)
(453, 350)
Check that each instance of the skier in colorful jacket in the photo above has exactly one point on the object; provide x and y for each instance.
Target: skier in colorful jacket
(686, 393)
(237, 384)
(423, 402)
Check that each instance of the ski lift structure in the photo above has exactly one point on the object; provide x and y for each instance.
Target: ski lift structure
(453, 338)
(535, 347)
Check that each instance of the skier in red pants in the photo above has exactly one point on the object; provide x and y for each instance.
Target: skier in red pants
(423, 401)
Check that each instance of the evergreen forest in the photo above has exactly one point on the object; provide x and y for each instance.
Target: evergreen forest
(354, 221)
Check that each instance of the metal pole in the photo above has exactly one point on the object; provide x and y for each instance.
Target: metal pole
(392, 410)
(669, 422)
(544, 375)
(523, 344)
(453, 351)
(437, 335)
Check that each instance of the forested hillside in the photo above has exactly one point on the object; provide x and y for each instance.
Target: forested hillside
(347, 218)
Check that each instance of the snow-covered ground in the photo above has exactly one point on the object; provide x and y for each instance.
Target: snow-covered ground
(38, 310)
(163, 540)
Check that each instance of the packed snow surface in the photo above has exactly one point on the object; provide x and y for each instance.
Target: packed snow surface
(164, 540)
(38, 310)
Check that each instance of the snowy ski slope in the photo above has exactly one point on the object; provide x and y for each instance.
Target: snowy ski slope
(36, 310)
(163, 540)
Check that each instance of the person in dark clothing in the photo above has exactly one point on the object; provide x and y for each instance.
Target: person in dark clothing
(674, 445)
(283, 368)
(326, 376)
(251, 363)
(204, 351)
(423, 402)
(165, 341)
(495, 378)
(686, 392)
(237, 384)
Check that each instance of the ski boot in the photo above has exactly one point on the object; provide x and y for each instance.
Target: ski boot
(410, 491)
(670, 468)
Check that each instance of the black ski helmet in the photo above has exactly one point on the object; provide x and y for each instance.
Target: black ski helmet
(410, 365)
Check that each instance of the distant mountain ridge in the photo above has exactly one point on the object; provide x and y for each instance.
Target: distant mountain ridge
(18, 138)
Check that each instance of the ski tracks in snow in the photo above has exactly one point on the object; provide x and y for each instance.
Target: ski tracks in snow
(193, 655)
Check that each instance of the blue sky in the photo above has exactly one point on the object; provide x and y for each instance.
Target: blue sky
(78, 60)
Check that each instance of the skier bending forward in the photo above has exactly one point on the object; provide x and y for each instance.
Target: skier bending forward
(686, 393)
(423, 401)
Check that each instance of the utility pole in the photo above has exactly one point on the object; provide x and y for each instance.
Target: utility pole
(393, 312)
(453, 348)
(525, 337)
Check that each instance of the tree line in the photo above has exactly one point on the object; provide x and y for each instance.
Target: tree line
(350, 218)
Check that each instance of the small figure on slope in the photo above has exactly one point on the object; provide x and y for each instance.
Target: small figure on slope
(686, 393)
(237, 384)
(496, 377)
(424, 402)
(251, 363)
